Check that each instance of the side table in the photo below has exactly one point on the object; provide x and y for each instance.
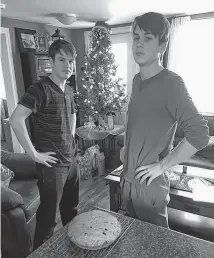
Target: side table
(104, 138)
(99, 135)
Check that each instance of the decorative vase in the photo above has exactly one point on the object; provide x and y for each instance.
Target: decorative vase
(110, 120)
(90, 119)
(101, 123)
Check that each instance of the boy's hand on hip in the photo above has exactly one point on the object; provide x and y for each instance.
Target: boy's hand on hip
(45, 158)
(149, 172)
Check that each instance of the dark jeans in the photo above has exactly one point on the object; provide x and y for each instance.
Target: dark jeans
(58, 188)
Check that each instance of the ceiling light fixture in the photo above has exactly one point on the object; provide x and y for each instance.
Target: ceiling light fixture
(67, 19)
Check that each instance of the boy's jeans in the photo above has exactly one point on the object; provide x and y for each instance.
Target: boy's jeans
(58, 188)
(147, 203)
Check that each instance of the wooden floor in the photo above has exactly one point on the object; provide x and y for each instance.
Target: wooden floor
(93, 192)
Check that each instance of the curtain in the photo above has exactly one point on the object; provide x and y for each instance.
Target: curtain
(123, 35)
(175, 41)
(191, 55)
(87, 37)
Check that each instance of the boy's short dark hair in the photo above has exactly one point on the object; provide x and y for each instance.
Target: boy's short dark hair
(59, 45)
(155, 23)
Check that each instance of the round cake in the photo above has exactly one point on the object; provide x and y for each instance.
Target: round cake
(94, 230)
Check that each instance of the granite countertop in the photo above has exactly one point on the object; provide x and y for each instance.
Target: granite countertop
(138, 239)
(148, 241)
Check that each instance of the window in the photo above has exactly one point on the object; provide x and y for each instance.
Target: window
(2, 88)
(195, 62)
(121, 40)
(120, 52)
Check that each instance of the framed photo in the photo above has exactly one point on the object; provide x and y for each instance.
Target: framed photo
(43, 66)
(42, 43)
(26, 40)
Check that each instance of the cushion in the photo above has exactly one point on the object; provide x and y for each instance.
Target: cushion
(9, 199)
(30, 193)
(21, 163)
(6, 176)
(208, 151)
(210, 120)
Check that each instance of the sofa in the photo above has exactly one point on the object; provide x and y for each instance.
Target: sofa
(202, 159)
(19, 203)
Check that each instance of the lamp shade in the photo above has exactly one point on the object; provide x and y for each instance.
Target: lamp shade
(67, 19)
(57, 35)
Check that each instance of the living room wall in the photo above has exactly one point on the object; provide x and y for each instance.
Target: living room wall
(76, 36)
(40, 29)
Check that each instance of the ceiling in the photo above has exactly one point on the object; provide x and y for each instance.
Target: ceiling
(90, 11)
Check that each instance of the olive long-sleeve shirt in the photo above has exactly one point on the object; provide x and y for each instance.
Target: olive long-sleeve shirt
(156, 104)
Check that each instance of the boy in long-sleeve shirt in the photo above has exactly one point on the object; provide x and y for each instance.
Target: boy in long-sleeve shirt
(159, 101)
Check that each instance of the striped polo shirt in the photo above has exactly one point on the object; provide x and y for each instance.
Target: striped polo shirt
(52, 123)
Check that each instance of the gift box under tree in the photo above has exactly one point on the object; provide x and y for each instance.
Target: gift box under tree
(92, 163)
(92, 152)
(85, 166)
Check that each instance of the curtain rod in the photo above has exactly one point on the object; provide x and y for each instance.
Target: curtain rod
(199, 16)
(202, 16)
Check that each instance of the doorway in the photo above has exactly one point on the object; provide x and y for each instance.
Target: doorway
(8, 92)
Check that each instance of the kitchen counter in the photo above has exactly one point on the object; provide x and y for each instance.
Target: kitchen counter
(138, 239)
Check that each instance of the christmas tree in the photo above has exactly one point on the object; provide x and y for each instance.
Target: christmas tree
(103, 92)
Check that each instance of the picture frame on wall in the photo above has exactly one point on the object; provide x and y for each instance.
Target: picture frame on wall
(42, 42)
(26, 40)
(43, 66)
